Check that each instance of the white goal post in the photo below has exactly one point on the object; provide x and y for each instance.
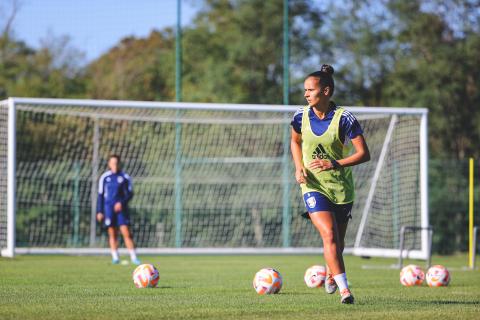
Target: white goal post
(208, 178)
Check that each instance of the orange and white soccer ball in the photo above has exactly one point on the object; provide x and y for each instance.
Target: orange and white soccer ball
(267, 281)
(438, 276)
(145, 276)
(411, 275)
(315, 276)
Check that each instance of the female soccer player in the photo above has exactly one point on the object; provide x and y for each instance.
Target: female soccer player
(322, 168)
(114, 193)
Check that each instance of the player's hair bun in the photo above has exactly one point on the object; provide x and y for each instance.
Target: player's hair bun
(327, 69)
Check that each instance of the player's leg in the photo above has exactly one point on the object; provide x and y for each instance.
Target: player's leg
(342, 231)
(347, 296)
(325, 223)
(124, 222)
(110, 222)
(342, 224)
(330, 284)
(323, 214)
(342, 216)
(113, 242)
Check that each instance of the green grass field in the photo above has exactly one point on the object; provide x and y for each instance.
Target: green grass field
(220, 287)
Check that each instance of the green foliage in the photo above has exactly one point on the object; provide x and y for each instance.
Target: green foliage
(398, 53)
(232, 52)
(449, 204)
(440, 71)
(51, 71)
(135, 69)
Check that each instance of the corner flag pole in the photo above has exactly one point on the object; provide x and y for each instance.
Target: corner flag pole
(470, 216)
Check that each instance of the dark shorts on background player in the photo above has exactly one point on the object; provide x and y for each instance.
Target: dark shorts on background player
(114, 219)
(316, 201)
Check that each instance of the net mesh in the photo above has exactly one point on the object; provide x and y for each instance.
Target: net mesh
(202, 178)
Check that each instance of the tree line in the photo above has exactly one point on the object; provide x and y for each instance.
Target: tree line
(420, 53)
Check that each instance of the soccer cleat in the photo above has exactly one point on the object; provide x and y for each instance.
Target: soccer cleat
(330, 284)
(115, 261)
(347, 297)
(136, 262)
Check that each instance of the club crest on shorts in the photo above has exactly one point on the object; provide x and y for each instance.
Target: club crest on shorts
(311, 202)
(108, 221)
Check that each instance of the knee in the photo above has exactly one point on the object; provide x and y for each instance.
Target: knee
(328, 237)
(125, 233)
(112, 234)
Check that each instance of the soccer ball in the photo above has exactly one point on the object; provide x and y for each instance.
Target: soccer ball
(411, 275)
(267, 281)
(438, 276)
(145, 276)
(315, 276)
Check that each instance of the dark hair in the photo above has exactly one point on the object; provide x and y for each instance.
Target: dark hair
(116, 156)
(325, 77)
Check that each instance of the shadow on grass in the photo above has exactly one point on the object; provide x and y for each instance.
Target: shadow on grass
(449, 302)
(294, 293)
(415, 303)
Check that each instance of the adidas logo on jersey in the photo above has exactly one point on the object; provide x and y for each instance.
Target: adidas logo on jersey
(320, 153)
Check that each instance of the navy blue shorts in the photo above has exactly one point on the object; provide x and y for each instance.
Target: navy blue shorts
(115, 219)
(316, 201)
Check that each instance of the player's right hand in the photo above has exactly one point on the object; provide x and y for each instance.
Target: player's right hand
(301, 174)
(99, 217)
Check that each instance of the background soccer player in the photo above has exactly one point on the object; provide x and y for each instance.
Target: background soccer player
(319, 133)
(114, 192)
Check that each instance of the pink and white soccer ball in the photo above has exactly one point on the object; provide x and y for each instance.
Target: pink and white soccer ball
(315, 276)
(412, 275)
(145, 276)
(267, 281)
(438, 276)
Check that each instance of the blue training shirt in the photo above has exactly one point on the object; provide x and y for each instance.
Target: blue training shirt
(349, 125)
(113, 188)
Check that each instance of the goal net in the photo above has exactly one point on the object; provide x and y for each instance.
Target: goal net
(207, 178)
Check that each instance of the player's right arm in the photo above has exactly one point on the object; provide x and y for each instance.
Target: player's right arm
(100, 199)
(296, 148)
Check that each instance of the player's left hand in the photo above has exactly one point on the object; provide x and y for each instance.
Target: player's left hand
(321, 165)
(117, 207)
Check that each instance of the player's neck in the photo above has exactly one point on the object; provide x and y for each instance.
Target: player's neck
(321, 109)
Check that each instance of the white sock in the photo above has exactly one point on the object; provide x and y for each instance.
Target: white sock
(115, 255)
(341, 280)
(133, 255)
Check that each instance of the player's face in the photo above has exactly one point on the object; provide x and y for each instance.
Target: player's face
(314, 94)
(113, 164)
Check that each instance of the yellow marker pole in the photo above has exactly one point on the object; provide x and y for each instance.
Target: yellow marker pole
(470, 216)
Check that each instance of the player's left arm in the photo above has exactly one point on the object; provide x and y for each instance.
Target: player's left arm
(128, 190)
(126, 194)
(361, 154)
(352, 130)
